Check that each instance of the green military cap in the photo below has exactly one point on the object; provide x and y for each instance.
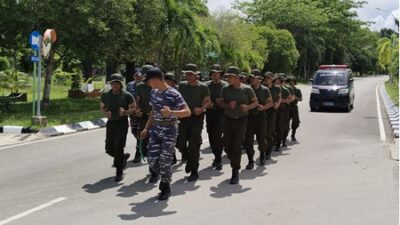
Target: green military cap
(216, 68)
(255, 73)
(145, 69)
(243, 75)
(191, 68)
(116, 77)
(269, 75)
(289, 78)
(281, 76)
(232, 71)
(170, 76)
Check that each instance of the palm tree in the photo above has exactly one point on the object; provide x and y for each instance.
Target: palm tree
(181, 30)
(386, 48)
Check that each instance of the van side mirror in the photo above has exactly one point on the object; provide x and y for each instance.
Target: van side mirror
(311, 80)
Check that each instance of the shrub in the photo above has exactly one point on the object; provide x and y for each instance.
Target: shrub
(4, 64)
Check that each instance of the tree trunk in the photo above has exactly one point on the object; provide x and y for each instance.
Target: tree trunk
(111, 68)
(87, 69)
(47, 82)
(130, 70)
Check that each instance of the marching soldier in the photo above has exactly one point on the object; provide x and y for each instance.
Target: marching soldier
(294, 109)
(197, 96)
(236, 99)
(272, 112)
(117, 105)
(170, 80)
(289, 109)
(142, 97)
(257, 120)
(215, 115)
(283, 113)
(167, 106)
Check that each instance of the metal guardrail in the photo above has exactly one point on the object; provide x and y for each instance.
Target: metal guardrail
(392, 111)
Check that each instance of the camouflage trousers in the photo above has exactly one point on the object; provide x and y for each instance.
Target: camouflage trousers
(161, 150)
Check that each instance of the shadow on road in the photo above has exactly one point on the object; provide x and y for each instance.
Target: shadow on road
(149, 208)
(253, 174)
(206, 150)
(104, 184)
(135, 188)
(330, 110)
(181, 186)
(208, 173)
(224, 189)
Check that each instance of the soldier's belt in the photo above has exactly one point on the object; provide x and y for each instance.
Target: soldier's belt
(165, 123)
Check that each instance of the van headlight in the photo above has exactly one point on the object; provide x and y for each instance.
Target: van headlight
(315, 91)
(344, 91)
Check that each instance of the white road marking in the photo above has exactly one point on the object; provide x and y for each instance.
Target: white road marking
(28, 212)
(380, 121)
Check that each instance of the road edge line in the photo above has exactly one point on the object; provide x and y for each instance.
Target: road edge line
(33, 210)
(380, 119)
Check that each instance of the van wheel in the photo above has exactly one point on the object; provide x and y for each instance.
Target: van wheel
(349, 107)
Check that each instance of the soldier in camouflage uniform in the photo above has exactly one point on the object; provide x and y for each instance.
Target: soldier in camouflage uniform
(167, 106)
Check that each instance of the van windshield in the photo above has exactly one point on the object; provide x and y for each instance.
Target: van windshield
(330, 79)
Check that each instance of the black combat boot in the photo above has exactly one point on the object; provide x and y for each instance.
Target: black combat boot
(250, 165)
(119, 175)
(235, 176)
(268, 153)
(137, 158)
(278, 146)
(154, 178)
(294, 135)
(193, 176)
(217, 163)
(126, 157)
(262, 158)
(165, 189)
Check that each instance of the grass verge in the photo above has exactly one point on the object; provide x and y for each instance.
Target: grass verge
(62, 110)
(392, 88)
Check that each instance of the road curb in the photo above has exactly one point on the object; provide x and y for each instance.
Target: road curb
(56, 130)
(73, 128)
(392, 111)
(17, 130)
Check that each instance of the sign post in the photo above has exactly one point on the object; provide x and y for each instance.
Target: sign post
(36, 45)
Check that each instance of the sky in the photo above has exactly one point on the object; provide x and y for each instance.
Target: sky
(382, 19)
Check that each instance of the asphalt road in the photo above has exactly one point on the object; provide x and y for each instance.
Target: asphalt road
(340, 173)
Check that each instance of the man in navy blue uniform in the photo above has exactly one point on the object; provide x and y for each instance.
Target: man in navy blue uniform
(167, 106)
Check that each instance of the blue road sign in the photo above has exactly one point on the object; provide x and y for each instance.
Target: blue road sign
(34, 40)
(34, 58)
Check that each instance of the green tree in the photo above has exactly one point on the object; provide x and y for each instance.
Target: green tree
(388, 50)
(241, 43)
(321, 28)
(283, 54)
